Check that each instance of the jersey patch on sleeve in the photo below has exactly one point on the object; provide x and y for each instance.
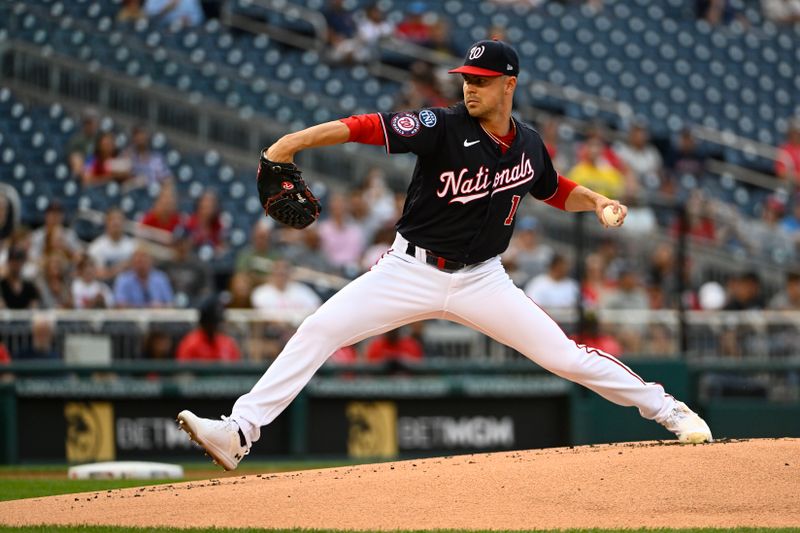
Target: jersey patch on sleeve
(428, 118)
(406, 124)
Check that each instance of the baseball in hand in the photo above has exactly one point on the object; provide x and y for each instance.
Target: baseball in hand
(610, 217)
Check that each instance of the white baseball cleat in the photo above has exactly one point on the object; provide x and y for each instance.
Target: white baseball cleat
(222, 439)
(687, 425)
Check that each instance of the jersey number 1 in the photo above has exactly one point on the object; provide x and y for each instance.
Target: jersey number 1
(514, 204)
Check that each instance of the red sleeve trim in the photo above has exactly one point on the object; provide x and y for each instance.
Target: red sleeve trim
(563, 190)
(365, 129)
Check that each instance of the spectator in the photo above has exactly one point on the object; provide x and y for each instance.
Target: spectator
(791, 222)
(363, 216)
(55, 284)
(788, 299)
(53, 237)
(660, 341)
(628, 294)
(686, 157)
(87, 291)
(304, 248)
(104, 165)
(20, 239)
(594, 284)
(766, 237)
(372, 27)
(380, 246)
(379, 197)
(207, 342)
(10, 211)
(607, 156)
(554, 289)
(5, 357)
(178, 12)
(526, 256)
(715, 12)
(191, 279)
(147, 167)
(558, 150)
(641, 157)
(441, 40)
(157, 345)
(341, 31)
(254, 257)
(393, 346)
(42, 340)
(744, 293)
(699, 224)
(662, 270)
(240, 287)
(16, 292)
(112, 251)
(204, 225)
(341, 239)
(593, 336)
(414, 28)
(280, 293)
(421, 89)
(141, 285)
(81, 145)
(131, 11)
(787, 165)
(164, 214)
(784, 12)
(595, 172)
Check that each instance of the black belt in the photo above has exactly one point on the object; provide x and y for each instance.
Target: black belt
(445, 265)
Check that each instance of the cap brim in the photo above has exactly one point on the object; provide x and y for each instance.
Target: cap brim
(475, 71)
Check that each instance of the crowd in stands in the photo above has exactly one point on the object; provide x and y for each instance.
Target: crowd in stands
(51, 268)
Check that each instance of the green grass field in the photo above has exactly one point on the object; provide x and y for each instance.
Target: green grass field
(17, 482)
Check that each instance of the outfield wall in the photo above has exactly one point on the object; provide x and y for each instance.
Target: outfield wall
(61, 416)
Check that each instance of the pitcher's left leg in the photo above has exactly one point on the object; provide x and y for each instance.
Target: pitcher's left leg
(515, 320)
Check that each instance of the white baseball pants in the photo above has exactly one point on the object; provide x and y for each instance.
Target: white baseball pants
(401, 289)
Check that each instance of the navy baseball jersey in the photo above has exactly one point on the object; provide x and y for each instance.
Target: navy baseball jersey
(464, 191)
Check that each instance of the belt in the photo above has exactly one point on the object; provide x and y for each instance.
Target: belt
(445, 265)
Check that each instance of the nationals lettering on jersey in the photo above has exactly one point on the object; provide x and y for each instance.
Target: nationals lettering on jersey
(464, 191)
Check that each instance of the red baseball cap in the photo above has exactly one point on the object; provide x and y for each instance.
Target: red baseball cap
(490, 59)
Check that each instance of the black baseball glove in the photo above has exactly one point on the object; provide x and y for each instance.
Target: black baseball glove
(284, 194)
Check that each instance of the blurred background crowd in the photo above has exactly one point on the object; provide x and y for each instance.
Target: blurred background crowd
(102, 211)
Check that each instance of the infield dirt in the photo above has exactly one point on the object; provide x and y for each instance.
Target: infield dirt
(723, 484)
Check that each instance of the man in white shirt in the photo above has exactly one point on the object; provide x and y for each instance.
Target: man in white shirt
(279, 293)
(641, 157)
(554, 289)
(111, 251)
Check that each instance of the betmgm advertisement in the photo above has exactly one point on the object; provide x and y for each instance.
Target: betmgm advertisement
(83, 431)
(389, 429)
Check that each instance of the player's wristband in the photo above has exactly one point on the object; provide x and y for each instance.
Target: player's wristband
(563, 190)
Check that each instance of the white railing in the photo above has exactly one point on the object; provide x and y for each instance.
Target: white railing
(640, 333)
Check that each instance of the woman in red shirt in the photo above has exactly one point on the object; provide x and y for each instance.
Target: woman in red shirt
(205, 226)
(164, 213)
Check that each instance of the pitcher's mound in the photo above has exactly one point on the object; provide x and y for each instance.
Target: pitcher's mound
(724, 484)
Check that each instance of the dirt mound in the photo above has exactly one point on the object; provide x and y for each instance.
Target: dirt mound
(724, 484)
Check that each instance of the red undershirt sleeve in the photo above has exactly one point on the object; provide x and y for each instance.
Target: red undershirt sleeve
(559, 198)
(365, 129)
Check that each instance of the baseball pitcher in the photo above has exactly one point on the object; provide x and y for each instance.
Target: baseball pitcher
(475, 164)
